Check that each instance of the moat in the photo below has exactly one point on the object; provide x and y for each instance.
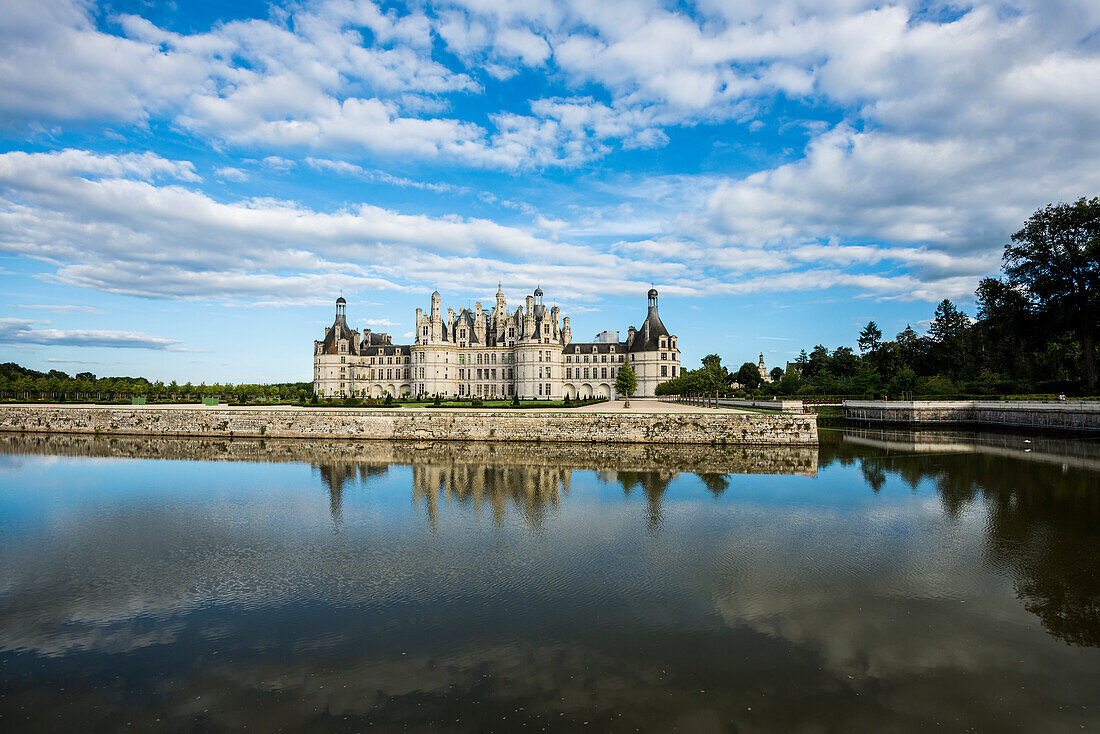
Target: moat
(882, 581)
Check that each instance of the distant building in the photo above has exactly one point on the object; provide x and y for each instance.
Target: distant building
(492, 354)
(763, 370)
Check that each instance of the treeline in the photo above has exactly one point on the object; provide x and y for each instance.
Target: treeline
(1035, 332)
(21, 383)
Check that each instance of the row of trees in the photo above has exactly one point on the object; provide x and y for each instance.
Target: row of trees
(21, 383)
(1035, 331)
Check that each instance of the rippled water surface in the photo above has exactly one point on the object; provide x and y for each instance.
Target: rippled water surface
(884, 582)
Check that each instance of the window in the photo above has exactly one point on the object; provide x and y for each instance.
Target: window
(540, 388)
(569, 373)
(664, 370)
(548, 389)
(568, 358)
(586, 359)
(673, 370)
(603, 372)
(343, 360)
(664, 355)
(586, 373)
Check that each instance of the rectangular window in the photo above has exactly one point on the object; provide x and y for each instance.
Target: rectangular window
(664, 370)
(569, 373)
(673, 370)
(540, 387)
(548, 389)
(586, 373)
(603, 372)
(664, 355)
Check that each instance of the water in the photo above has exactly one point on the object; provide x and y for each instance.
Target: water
(886, 582)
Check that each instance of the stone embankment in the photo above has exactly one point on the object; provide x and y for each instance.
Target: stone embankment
(425, 425)
(1068, 415)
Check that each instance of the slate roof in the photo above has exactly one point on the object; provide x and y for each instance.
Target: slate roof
(339, 330)
(647, 338)
(593, 348)
(389, 350)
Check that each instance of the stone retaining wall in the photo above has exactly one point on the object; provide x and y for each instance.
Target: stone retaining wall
(1062, 416)
(672, 428)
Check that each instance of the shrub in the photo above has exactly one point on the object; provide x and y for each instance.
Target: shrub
(476, 403)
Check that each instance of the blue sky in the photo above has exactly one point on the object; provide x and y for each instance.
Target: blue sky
(185, 188)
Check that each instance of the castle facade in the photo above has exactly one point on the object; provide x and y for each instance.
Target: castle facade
(491, 354)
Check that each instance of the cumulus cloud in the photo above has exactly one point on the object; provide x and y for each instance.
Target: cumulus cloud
(923, 138)
(22, 331)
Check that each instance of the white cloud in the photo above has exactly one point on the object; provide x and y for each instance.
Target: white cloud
(60, 308)
(22, 331)
(229, 173)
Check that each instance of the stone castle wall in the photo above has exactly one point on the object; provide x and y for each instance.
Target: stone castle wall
(429, 425)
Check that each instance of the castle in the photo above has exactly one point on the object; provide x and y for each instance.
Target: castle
(491, 354)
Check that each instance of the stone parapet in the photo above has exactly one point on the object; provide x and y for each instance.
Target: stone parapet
(1069, 415)
(427, 425)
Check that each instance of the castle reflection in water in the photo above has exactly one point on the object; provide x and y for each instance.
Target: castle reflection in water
(532, 478)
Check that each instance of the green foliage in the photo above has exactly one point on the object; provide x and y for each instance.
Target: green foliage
(748, 376)
(626, 382)
(1055, 262)
(21, 383)
(870, 337)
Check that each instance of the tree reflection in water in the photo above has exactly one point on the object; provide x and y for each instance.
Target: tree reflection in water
(1043, 527)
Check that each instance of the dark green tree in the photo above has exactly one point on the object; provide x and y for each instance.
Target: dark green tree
(870, 337)
(626, 382)
(1055, 258)
(948, 333)
(748, 376)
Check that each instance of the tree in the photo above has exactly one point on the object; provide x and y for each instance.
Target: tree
(713, 378)
(948, 332)
(748, 376)
(870, 337)
(1006, 333)
(1055, 258)
(776, 374)
(626, 383)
